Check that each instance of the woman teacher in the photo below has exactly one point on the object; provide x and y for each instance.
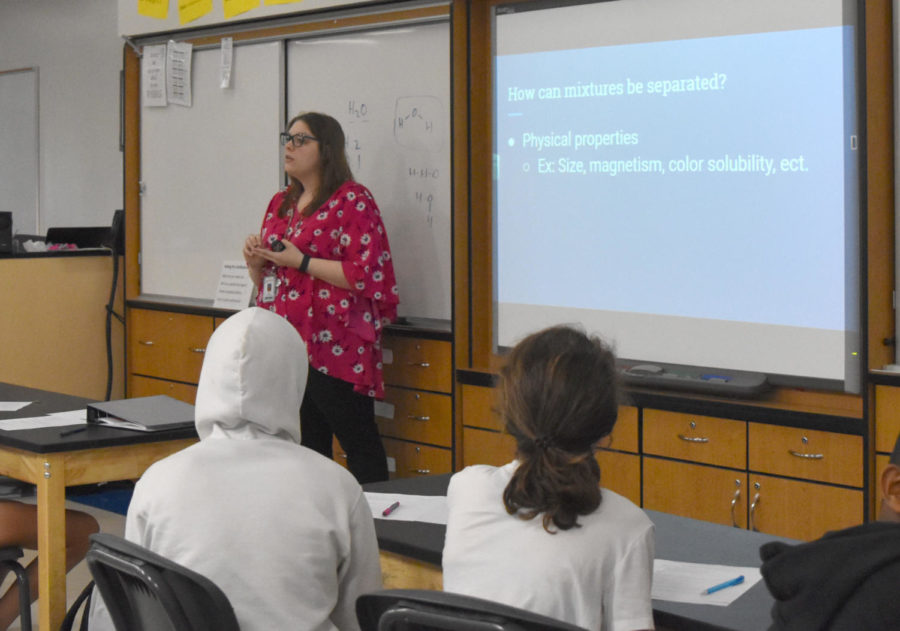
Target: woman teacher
(322, 261)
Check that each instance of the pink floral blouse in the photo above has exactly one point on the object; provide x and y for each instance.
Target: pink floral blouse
(341, 327)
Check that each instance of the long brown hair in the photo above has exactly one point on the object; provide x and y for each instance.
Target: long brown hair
(558, 397)
(333, 167)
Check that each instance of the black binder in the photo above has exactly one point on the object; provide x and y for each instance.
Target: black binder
(143, 414)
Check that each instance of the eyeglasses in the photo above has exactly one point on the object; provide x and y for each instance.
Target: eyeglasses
(297, 140)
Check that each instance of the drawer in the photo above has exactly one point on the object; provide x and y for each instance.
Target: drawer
(621, 473)
(148, 387)
(414, 415)
(801, 510)
(809, 454)
(417, 363)
(887, 418)
(486, 447)
(167, 345)
(479, 407)
(696, 438)
(625, 433)
(413, 459)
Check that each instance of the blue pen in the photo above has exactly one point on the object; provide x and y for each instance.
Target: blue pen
(732, 582)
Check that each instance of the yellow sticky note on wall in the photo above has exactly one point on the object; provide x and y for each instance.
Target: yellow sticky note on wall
(190, 10)
(236, 7)
(268, 2)
(154, 8)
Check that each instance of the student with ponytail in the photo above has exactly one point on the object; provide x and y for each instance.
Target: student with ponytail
(540, 533)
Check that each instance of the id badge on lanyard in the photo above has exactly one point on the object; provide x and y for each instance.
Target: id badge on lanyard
(268, 287)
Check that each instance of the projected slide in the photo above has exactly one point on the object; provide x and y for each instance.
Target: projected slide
(672, 188)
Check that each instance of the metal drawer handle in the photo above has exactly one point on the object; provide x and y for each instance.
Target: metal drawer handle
(418, 418)
(734, 501)
(422, 471)
(693, 439)
(420, 364)
(146, 342)
(197, 350)
(807, 456)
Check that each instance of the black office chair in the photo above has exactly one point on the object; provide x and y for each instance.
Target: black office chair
(146, 592)
(423, 610)
(9, 558)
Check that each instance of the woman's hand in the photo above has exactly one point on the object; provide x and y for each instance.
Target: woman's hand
(290, 256)
(254, 262)
(330, 271)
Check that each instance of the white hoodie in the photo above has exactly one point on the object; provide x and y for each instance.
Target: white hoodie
(283, 531)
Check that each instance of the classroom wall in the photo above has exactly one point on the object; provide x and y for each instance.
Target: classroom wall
(79, 54)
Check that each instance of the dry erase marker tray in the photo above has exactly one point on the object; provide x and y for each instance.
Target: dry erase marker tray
(730, 383)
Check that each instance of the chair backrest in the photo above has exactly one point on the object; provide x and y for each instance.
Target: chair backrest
(144, 591)
(424, 610)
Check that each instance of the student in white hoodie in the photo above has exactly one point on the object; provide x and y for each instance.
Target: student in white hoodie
(283, 531)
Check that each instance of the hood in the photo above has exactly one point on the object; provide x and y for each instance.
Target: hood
(837, 581)
(253, 378)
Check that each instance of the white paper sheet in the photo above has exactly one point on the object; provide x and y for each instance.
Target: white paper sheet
(431, 509)
(682, 582)
(13, 406)
(178, 72)
(153, 76)
(54, 419)
(35, 422)
(74, 417)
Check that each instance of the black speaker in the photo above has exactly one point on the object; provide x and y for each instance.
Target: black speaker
(115, 239)
(5, 232)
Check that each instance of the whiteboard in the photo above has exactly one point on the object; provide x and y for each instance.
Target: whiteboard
(390, 90)
(19, 169)
(208, 171)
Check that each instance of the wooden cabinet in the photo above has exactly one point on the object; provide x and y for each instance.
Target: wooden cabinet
(166, 347)
(694, 490)
(887, 418)
(621, 472)
(801, 510)
(802, 482)
(807, 454)
(414, 459)
(415, 415)
(415, 419)
(695, 438)
(418, 363)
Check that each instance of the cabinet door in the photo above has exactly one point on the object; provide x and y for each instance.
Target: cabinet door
(625, 433)
(696, 438)
(167, 345)
(801, 510)
(479, 407)
(621, 472)
(413, 459)
(415, 415)
(887, 418)
(482, 446)
(417, 363)
(147, 387)
(697, 491)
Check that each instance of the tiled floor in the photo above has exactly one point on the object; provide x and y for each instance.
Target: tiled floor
(79, 576)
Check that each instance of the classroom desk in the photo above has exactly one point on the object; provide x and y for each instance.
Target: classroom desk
(51, 463)
(677, 538)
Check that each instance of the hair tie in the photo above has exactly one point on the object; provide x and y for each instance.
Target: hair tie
(544, 442)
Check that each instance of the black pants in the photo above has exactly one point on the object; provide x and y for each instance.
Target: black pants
(331, 408)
